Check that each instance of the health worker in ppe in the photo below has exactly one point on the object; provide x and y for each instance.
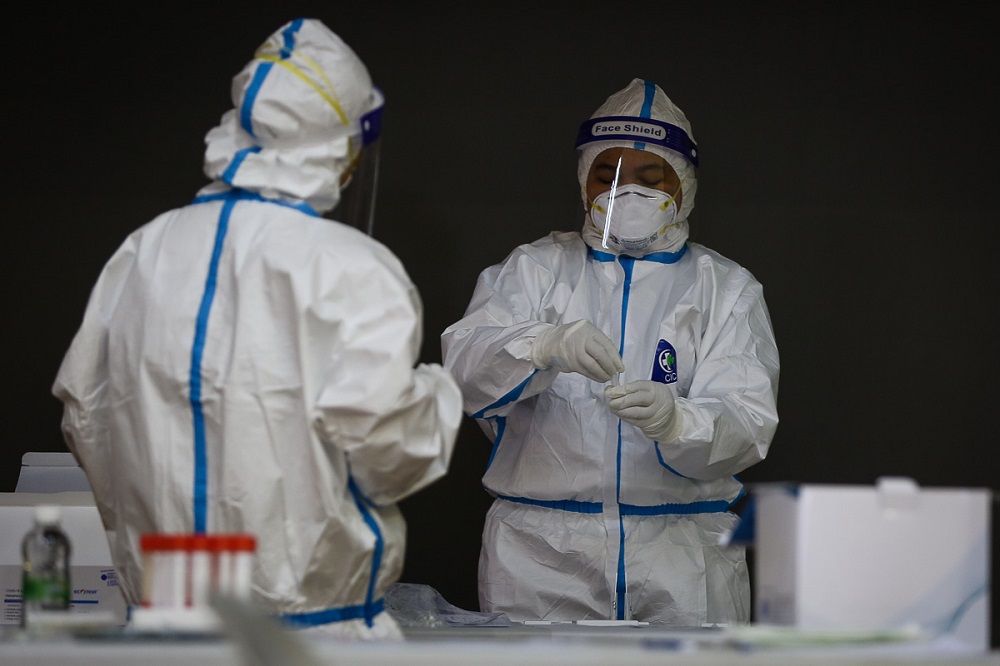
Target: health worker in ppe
(625, 374)
(245, 365)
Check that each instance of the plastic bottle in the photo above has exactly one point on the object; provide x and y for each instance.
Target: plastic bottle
(45, 578)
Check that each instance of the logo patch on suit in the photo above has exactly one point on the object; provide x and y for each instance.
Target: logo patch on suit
(665, 363)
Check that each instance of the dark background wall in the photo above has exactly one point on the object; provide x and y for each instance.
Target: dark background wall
(849, 160)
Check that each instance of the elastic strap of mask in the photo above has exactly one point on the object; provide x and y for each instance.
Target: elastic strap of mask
(673, 196)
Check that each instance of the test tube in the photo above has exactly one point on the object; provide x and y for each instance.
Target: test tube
(165, 567)
(222, 563)
(243, 548)
(200, 570)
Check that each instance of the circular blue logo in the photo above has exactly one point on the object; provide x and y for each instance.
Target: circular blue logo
(665, 363)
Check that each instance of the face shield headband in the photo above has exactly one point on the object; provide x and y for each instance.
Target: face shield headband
(640, 130)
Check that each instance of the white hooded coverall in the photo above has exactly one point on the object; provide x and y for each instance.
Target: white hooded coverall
(592, 519)
(245, 365)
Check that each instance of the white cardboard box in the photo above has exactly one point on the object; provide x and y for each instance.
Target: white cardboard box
(92, 575)
(50, 472)
(889, 556)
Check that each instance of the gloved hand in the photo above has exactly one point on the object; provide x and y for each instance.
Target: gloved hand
(647, 404)
(577, 347)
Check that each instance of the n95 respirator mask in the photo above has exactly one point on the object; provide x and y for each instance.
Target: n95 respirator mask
(632, 217)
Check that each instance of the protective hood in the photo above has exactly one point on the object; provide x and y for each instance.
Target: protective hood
(641, 116)
(303, 107)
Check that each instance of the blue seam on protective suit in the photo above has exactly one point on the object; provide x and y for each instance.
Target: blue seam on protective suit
(647, 102)
(360, 500)
(235, 164)
(501, 422)
(289, 35)
(743, 490)
(600, 256)
(656, 257)
(506, 399)
(573, 506)
(674, 508)
(371, 607)
(200, 489)
(659, 456)
(647, 106)
(627, 264)
(708, 506)
(330, 615)
(668, 509)
(246, 110)
(246, 195)
(510, 397)
(621, 588)
(666, 257)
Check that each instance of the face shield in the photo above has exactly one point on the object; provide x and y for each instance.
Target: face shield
(359, 181)
(632, 213)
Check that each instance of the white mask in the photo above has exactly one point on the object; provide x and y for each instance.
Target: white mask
(639, 215)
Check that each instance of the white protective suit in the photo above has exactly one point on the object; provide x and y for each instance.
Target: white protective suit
(593, 520)
(245, 365)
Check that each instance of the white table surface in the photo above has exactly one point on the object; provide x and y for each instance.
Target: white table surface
(483, 646)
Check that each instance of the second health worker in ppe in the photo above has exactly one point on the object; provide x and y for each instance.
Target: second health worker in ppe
(246, 365)
(624, 374)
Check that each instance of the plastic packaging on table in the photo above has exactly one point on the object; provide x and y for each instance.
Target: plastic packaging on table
(416, 605)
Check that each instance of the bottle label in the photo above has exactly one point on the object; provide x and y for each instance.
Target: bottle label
(48, 593)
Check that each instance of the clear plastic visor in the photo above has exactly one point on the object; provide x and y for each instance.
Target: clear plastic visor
(359, 182)
(603, 214)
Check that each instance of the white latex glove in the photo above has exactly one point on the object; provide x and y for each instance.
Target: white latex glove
(647, 404)
(578, 347)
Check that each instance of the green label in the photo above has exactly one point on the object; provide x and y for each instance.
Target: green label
(48, 592)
